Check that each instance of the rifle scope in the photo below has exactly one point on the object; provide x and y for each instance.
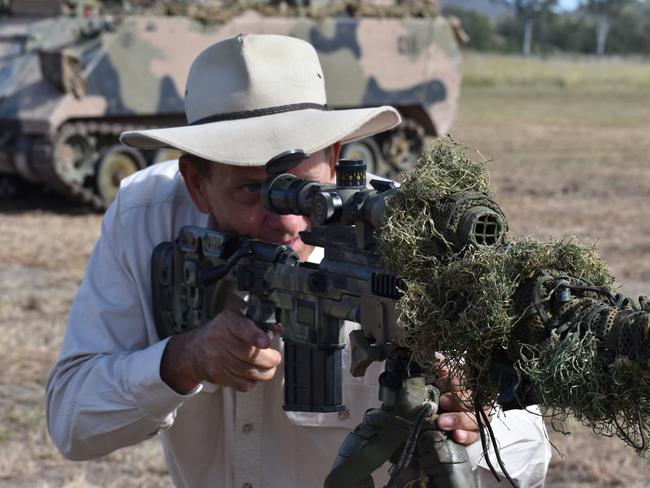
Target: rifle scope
(348, 201)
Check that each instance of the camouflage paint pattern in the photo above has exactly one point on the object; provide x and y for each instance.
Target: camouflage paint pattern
(131, 72)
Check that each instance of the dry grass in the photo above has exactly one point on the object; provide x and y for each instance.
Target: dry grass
(566, 160)
(41, 265)
(584, 460)
(579, 72)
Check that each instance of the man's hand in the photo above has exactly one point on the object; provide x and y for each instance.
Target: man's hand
(458, 418)
(230, 350)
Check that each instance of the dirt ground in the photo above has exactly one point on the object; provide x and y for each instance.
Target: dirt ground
(565, 160)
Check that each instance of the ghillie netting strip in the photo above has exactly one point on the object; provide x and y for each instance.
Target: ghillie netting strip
(545, 306)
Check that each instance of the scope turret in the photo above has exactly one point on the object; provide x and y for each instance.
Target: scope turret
(351, 173)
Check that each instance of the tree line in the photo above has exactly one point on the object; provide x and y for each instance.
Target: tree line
(600, 27)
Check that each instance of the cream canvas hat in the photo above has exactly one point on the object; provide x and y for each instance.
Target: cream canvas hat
(251, 97)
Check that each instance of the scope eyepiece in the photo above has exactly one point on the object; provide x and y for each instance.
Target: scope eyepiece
(287, 194)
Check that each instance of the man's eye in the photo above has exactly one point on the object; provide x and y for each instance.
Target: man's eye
(252, 187)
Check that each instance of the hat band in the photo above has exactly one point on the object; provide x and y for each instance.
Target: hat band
(258, 112)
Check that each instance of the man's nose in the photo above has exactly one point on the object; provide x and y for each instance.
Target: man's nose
(289, 224)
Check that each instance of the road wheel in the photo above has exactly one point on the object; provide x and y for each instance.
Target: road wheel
(403, 146)
(74, 154)
(116, 163)
(367, 151)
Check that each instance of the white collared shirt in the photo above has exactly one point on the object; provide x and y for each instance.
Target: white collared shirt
(105, 391)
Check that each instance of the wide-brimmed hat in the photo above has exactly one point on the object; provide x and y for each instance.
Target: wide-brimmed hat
(251, 97)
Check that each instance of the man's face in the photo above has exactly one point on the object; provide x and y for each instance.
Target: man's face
(232, 195)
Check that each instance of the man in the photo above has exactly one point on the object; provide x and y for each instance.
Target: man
(215, 393)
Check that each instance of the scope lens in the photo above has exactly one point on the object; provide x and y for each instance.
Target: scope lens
(280, 193)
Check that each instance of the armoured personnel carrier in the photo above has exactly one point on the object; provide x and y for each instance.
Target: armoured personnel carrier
(73, 77)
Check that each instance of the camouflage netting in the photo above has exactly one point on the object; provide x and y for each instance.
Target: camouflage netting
(469, 306)
(218, 12)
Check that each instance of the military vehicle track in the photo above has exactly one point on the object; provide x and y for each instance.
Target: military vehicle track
(80, 149)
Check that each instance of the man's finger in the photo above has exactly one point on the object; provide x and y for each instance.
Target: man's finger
(262, 370)
(456, 402)
(237, 382)
(448, 383)
(465, 437)
(259, 358)
(245, 329)
(457, 421)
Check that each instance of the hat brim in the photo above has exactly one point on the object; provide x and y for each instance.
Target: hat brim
(254, 141)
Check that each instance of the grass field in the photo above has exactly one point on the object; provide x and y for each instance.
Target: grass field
(570, 152)
(582, 72)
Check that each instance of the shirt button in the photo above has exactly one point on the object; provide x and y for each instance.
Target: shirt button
(247, 428)
(344, 414)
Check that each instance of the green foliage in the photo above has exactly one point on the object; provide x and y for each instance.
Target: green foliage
(559, 31)
(606, 7)
(630, 32)
(482, 34)
(570, 33)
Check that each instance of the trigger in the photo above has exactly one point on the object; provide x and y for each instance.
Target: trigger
(273, 327)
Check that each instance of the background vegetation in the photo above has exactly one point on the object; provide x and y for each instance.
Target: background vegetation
(596, 27)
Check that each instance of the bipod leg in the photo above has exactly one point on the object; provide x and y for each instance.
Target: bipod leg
(403, 432)
(444, 462)
(435, 459)
(366, 448)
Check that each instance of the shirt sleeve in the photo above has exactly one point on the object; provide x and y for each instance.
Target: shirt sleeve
(105, 391)
(523, 446)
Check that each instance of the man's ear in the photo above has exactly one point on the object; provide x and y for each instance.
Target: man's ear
(335, 153)
(195, 184)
